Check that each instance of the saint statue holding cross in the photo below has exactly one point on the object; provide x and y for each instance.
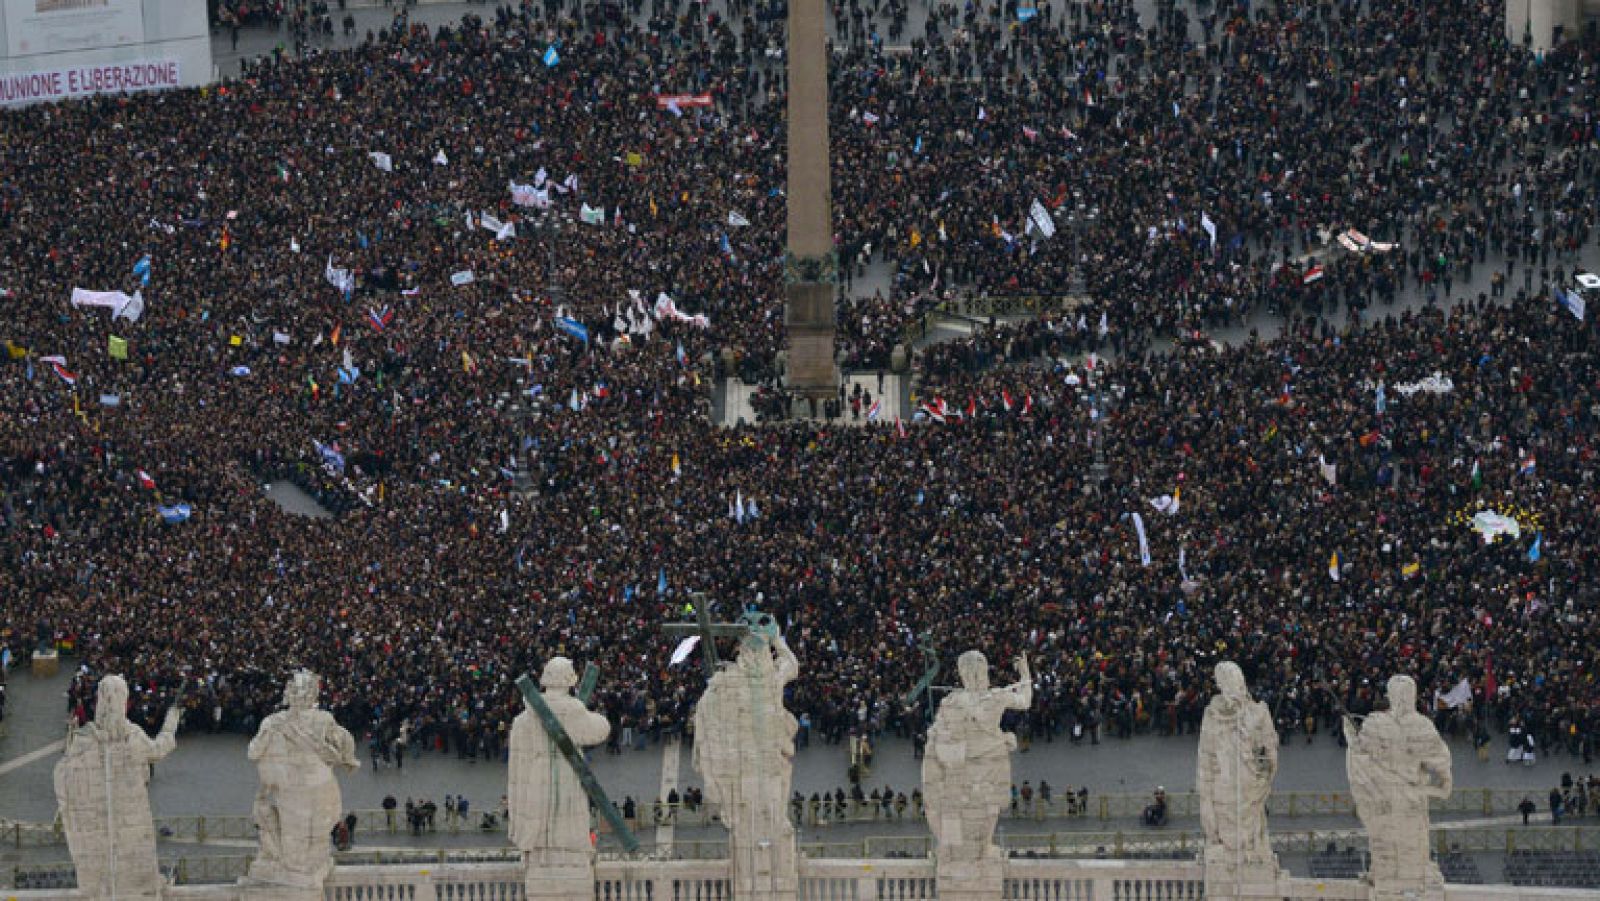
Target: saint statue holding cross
(744, 749)
(549, 802)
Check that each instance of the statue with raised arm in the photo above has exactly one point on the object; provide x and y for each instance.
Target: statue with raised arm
(296, 752)
(549, 813)
(1238, 760)
(1397, 764)
(102, 786)
(966, 772)
(744, 749)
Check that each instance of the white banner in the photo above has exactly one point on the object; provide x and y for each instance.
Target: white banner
(81, 81)
(120, 304)
(56, 26)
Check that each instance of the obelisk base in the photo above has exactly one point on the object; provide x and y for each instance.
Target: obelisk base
(809, 315)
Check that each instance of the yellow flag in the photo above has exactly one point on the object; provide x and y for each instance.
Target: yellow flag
(675, 467)
(117, 348)
(634, 159)
(916, 238)
(16, 351)
(235, 341)
(652, 206)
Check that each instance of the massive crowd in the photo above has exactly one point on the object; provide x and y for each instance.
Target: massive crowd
(507, 490)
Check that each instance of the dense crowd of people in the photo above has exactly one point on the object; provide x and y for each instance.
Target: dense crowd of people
(513, 432)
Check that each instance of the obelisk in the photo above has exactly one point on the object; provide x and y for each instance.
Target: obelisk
(810, 264)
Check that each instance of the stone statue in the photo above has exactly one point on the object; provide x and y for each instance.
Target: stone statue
(1397, 764)
(966, 776)
(744, 749)
(549, 809)
(298, 803)
(1238, 759)
(101, 786)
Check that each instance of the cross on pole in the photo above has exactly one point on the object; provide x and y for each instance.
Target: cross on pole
(930, 668)
(708, 631)
(563, 742)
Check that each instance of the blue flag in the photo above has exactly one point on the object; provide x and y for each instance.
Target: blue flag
(1535, 551)
(1024, 13)
(661, 582)
(176, 513)
(551, 57)
(573, 327)
(918, 148)
(142, 269)
(331, 458)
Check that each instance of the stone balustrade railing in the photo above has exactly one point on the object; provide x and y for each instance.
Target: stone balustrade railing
(1463, 802)
(820, 880)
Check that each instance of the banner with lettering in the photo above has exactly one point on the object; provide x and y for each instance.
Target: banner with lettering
(17, 88)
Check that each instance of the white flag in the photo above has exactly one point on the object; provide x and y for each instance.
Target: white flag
(439, 159)
(523, 195)
(382, 161)
(1041, 219)
(1105, 328)
(592, 216)
(1460, 696)
(684, 649)
(1210, 228)
(1144, 543)
(736, 220)
(1330, 471)
(464, 277)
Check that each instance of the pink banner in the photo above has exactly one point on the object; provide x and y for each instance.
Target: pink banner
(81, 81)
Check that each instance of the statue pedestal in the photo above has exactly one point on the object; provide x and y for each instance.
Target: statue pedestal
(46, 664)
(1226, 878)
(766, 870)
(766, 889)
(971, 880)
(265, 891)
(559, 883)
(1398, 890)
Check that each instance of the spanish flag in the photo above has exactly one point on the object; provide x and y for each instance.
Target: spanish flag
(227, 239)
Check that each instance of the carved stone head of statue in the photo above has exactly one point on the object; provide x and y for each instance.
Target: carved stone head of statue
(974, 669)
(1402, 694)
(301, 692)
(1230, 680)
(111, 704)
(558, 674)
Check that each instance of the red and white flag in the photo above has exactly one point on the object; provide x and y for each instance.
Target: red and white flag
(1312, 274)
(145, 481)
(59, 364)
(900, 426)
(1005, 398)
(1027, 404)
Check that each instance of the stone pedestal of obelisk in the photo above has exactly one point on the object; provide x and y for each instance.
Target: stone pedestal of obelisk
(810, 265)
